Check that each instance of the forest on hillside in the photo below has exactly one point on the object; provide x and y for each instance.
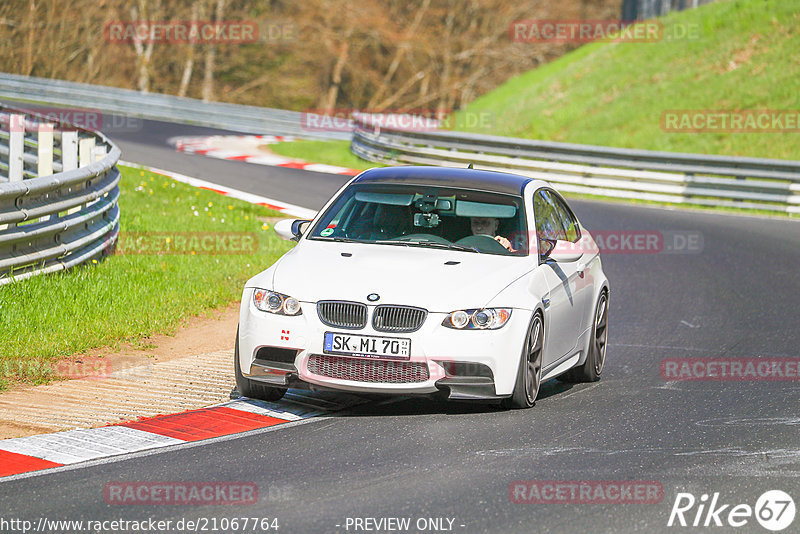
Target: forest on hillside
(321, 54)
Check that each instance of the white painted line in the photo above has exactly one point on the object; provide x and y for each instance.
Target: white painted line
(289, 209)
(246, 148)
(298, 404)
(268, 160)
(223, 154)
(271, 409)
(75, 446)
(329, 169)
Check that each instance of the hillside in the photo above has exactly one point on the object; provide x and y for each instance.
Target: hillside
(746, 58)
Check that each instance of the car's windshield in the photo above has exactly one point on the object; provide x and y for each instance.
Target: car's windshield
(427, 216)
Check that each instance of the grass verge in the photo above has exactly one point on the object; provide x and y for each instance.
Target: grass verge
(131, 295)
(328, 152)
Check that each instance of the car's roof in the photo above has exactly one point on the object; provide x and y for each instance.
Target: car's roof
(496, 182)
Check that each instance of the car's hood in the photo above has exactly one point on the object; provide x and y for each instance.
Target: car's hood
(415, 276)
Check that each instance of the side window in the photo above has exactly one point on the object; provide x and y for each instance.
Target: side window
(568, 221)
(548, 223)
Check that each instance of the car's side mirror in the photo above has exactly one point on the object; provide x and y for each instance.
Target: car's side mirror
(291, 229)
(560, 251)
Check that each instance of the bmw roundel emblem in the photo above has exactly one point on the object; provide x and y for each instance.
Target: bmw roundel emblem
(372, 297)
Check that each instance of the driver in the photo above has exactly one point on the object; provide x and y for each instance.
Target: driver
(488, 226)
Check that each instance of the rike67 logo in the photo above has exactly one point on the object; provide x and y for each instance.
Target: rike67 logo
(774, 510)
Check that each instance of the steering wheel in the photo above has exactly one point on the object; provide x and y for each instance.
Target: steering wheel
(483, 242)
(422, 237)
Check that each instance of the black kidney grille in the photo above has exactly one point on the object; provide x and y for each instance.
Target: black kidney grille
(341, 314)
(387, 318)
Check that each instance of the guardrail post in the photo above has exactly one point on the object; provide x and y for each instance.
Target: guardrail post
(85, 157)
(85, 147)
(69, 151)
(98, 153)
(16, 146)
(45, 157)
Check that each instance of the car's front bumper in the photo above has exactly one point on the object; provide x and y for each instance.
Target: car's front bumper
(463, 364)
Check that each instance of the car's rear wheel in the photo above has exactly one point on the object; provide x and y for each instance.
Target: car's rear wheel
(529, 375)
(251, 388)
(592, 368)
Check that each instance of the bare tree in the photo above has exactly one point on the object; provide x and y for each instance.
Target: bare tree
(211, 57)
(189, 64)
(375, 102)
(145, 12)
(374, 54)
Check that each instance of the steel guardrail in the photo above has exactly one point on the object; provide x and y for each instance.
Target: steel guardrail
(154, 106)
(54, 222)
(747, 183)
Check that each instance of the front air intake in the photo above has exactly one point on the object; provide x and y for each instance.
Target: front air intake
(365, 370)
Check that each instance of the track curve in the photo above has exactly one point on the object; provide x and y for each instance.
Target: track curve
(737, 297)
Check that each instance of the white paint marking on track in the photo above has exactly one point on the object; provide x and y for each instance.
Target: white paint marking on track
(270, 409)
(267, 160)
(180, 445)
(80, 446)
(248, 148)
(322, 167)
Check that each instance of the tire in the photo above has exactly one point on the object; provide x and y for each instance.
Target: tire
(529, 375)
(251, 388)
(592, 368)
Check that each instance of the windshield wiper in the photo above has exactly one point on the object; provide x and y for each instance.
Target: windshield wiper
(448, 246)
(389, 242)
(338, 239)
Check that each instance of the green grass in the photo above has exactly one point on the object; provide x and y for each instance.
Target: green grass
(328, 152)
(130, 296)
(613, 94)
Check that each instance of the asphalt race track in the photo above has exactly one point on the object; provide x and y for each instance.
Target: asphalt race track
(735, 295)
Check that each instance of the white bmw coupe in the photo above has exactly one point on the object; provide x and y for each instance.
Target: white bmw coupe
(424, 280)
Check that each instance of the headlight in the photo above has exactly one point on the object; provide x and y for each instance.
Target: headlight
(272, 302)
(477, 319)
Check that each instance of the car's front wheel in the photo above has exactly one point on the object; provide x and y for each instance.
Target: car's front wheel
(529, 375)
(251, 388)
(596, 355)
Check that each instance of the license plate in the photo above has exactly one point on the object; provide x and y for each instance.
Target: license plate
(393, 348)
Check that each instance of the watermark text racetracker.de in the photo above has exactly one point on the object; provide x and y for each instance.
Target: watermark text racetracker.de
(72, 368)
(409, 120)
(586, 31)
(180, 493)
(635, 242)
(65, 118)
(199, 32)
(191, 243)
(585, 492)
(731, 121)
(730, 369)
